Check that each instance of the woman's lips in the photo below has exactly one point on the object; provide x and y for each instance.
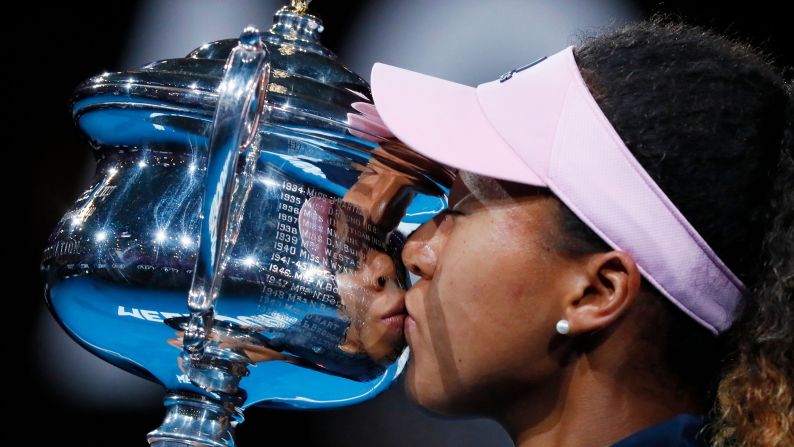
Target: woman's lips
(409, 326)
(395, 322)
(394, 318)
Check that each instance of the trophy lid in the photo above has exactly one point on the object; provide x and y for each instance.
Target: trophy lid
(308, 86)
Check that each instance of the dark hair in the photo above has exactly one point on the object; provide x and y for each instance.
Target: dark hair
(710, 120)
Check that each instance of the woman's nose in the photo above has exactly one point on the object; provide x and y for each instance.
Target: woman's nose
(420, 254)
(380, 270)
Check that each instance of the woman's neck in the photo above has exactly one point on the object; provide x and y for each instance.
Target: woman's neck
(592, 404)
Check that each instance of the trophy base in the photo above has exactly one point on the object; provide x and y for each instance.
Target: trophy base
(195, 420)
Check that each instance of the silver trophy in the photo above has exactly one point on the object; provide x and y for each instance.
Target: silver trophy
(240, 243)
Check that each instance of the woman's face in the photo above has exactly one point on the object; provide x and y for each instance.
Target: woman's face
(373, 302)
(481, 320)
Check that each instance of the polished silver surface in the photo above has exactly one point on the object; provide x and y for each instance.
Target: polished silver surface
(241, 241)
(306, 79)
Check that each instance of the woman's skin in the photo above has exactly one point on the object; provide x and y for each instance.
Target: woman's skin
(481, 324)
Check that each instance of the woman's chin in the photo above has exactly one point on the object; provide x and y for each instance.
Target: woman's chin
(427, 395)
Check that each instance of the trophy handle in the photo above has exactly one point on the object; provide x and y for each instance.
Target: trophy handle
(193, 419)
(241, 102)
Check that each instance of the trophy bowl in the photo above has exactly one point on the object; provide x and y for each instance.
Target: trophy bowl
(240, 242)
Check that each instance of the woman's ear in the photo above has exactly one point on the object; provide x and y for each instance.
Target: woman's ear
(609, 284)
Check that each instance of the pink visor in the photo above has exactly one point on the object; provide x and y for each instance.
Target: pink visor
(540, 125)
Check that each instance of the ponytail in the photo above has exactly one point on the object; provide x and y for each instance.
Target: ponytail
(755, 398)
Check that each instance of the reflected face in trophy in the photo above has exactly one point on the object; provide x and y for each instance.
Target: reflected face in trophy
(481, 319)
(373, 301)
(372, 295)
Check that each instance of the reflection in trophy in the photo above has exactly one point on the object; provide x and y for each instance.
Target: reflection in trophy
(240, 243)
(373, 299)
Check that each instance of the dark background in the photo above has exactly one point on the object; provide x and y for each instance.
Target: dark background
(48, 54)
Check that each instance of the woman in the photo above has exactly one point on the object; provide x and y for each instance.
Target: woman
(616, 260)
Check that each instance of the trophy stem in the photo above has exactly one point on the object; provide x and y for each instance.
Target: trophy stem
(195, 420)
(208, 420)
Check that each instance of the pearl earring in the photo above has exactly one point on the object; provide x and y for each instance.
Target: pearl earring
(563, 327)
